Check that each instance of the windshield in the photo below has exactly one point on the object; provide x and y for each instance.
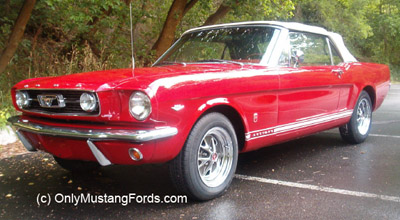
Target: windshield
(233, 45)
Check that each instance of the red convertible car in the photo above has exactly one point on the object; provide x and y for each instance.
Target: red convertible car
(219, 90)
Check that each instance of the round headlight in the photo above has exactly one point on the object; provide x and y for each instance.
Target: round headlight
(139, 105)
(88, 102)
(22, 99)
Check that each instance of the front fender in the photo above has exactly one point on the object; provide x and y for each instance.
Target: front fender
(183, 114)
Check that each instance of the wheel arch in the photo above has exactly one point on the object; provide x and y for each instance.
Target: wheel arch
(372, 94)
(234, 117)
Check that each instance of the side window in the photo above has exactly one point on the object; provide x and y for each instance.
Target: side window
(284, 59)
(306, 49)
(335, 55)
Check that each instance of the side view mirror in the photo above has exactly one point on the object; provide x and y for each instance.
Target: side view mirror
(297, 57)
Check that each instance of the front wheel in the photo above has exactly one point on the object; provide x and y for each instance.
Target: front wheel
(359, 126)
(206, 165)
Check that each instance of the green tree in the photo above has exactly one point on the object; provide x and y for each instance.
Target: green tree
(175, 14)
(258, 9)
(347, 17)
(371, 28)
(384, 18)
(17, 33)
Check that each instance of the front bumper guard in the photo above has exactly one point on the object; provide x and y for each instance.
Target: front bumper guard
(90, 135)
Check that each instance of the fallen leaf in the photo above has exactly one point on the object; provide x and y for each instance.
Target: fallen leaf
(31, 184)
(18, 178)
(8, 195)
(70, 181)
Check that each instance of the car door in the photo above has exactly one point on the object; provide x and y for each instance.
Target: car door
(310, 83)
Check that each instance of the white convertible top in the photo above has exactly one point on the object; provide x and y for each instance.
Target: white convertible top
(336, 38)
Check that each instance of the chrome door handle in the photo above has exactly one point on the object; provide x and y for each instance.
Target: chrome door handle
(338, 72)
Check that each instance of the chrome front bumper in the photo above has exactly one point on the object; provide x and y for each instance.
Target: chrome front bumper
(93, 134)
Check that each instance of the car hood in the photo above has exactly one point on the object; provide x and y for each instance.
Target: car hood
(141, 78)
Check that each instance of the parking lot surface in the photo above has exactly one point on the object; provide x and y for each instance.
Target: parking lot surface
(316, 177)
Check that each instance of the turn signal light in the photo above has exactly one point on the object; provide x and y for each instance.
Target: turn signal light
(135, 154)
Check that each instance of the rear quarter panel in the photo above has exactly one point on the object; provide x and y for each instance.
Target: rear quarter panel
(359, 76)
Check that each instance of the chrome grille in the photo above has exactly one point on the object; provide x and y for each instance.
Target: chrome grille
(71, 98)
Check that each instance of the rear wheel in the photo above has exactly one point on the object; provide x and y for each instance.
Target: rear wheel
(77, 165)
(205, 167)
(359, 126)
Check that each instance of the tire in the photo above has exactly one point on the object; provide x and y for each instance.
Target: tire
(359, 126)
(77, 165)
(206, 165)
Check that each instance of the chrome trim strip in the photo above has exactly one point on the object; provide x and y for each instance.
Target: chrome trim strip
(97, 153)
(94, 134)
(299, 124)
(287, 25)
(25, 141)
(72, 89)
(60, 114)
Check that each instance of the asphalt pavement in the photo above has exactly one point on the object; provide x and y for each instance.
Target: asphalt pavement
(316, 177)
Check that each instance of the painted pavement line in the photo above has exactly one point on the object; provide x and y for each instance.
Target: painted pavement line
(384, 135)
(372, 135)
(319, 188)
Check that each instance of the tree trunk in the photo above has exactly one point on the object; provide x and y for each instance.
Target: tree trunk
(16, 34)
(175, 14)
(189, 6)
(219, 14)
(298, 14)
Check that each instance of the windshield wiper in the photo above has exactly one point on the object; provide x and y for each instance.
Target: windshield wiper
(221, 61)
(170, 63)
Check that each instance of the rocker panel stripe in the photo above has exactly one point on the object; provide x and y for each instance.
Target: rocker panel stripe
(299, 124)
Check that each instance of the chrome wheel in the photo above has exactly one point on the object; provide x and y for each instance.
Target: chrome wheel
(359, 126)
(215, 156)
(206, 165)
(363, 116)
